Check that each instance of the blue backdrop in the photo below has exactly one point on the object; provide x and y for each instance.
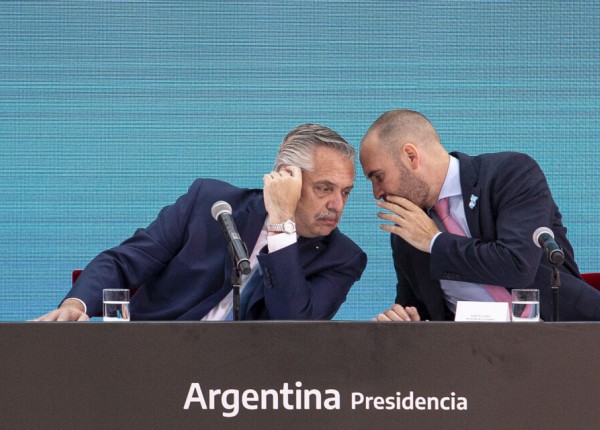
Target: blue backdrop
(109, 110)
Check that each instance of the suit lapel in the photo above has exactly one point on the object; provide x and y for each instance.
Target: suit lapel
(470, 192)
(311, 248)
(249, 221)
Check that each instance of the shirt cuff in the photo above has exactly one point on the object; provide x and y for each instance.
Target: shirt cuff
(80, 301)
(281, 240)
(433, 240)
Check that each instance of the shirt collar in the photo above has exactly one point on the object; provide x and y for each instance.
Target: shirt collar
(451, 186)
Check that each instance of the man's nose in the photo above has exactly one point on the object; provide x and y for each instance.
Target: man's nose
(336, 202)
(378, 192)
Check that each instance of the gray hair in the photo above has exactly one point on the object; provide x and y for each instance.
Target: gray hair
(299, 145)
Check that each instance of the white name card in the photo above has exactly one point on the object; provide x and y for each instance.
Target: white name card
(482, 311)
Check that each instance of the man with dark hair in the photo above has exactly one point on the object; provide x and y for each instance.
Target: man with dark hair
(462, 226)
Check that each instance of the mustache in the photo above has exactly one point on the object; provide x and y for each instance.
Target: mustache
(329, 215)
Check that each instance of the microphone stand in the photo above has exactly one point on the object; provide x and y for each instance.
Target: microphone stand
(543, 237)
(236, 279)
(555, 283)
(240, 267)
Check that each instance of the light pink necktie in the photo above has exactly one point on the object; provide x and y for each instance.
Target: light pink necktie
(499, 294)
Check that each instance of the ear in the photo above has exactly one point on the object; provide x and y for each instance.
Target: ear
(412, 153)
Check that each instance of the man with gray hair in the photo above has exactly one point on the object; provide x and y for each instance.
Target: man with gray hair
(302, 265)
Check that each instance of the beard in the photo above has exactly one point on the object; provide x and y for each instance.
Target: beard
(412, 187)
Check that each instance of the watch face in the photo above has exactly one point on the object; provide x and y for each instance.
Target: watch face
(289, 227)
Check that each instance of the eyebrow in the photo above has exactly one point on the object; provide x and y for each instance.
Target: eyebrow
(373, 173)
(331, 184)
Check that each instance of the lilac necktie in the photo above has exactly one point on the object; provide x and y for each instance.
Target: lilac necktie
(442, 209)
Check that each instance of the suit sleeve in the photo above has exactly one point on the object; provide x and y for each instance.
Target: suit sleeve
(293, 293)
(138, 258)
(519, 203)
(404, 293)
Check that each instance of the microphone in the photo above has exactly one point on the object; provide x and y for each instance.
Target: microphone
(221, 211)
(543, 238)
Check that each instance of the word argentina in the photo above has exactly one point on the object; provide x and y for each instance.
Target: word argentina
(230, 401)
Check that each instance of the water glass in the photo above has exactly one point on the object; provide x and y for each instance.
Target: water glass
(525, 305)
(116, 305)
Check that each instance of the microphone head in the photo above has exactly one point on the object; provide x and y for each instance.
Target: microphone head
(539, 232)
(219, 208)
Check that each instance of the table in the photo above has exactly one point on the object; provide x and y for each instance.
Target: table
(299, 375)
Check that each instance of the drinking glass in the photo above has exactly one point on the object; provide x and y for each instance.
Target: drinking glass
(116, 305)
(525, 305)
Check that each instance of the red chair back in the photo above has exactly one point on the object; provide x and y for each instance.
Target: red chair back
(75, 274)
(592, 278)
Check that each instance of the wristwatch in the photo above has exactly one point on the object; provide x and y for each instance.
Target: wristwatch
(288, 227)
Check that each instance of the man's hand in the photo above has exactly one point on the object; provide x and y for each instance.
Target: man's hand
(411, 223)
(399, 313)
(69, 310)
(281, 193)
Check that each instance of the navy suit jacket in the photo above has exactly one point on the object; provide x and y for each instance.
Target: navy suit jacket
(181, 266)
(513, 201)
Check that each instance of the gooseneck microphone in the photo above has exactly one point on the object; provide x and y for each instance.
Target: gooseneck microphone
(543, 238)
(221, 211)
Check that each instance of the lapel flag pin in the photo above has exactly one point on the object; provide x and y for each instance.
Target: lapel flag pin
(473, 201)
